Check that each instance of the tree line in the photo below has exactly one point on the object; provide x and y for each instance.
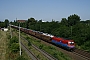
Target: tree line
(71, 27)
(4, 24)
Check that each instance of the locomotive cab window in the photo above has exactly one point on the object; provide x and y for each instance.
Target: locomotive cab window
(71, 43)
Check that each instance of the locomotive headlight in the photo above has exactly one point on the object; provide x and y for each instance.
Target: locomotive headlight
(72, 42)
(69, 42)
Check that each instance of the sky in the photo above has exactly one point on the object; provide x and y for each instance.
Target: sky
(43, 9)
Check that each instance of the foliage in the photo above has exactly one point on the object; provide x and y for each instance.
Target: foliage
(51, 50)
(14, 45)
(29, 43)
(64, 21)
(9, 36)
(21, 58)
(41, 46)
(73, 19)
(70, 27)
(4, 24)
(14, 40)
(28, 39)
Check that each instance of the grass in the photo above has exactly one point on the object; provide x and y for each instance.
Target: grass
(34, 51)
(3, 46)
(50, 49)
(0, 34)
(14, 56)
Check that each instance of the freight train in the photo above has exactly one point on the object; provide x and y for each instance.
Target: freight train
(62, 42)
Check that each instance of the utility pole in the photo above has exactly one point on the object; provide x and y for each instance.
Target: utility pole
(40, 27)
(10, 30)
(71, 31)
(16, 19)
(19, 40)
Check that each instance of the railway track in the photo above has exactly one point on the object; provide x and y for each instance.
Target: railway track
(49, 57)
(32, 56)
(76, 55)
(82, 53)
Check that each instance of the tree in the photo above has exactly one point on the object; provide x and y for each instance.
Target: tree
(40, 21)
(6, 22)
(64, 21)
(2, 24)
(73, 19)
(30, 21)
(77, 30)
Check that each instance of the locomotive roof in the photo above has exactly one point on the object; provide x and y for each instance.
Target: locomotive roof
(65, 38)
(59, 38)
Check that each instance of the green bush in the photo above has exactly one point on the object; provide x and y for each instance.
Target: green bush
(14, 47)
(29, 43)
(14, 40)
(41, 46)
(13, 44)
(9, 36)
(27, 37)
(50, 47)
(21, 58)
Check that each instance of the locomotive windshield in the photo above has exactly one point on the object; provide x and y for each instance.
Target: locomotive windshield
(71, 43)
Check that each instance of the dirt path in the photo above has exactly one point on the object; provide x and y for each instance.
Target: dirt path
(3, 38)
